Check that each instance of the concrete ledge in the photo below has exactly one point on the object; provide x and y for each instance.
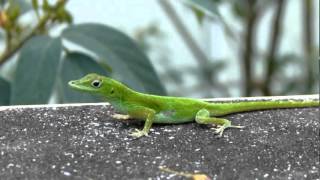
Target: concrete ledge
(82, 141)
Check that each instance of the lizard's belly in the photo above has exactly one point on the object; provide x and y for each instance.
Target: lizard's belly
(171, 117)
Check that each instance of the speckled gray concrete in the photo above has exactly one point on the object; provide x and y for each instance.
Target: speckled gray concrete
(83, 142)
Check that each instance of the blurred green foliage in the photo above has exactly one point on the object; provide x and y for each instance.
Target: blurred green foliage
(263, 72)
(45, 64)
(276, 79)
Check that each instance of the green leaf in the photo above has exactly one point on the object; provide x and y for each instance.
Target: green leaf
(36, 71)
(14, 11)
(3, 2)
(210, 7)
(24, 5)
(4, 92)
(35, 6)
(76, 65)
(46, 6)
(130, 65)
(198, 13)
(62, 15)
(240, 9)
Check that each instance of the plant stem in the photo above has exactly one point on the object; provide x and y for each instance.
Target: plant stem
(249, 43)
(10, 52)
(182, 29)
(12, 49)
(196, 51)
(308, 43)
(273, 47)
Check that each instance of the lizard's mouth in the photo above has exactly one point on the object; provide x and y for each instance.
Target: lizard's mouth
(77, 86)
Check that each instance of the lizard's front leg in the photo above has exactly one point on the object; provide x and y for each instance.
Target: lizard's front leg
(144, 113)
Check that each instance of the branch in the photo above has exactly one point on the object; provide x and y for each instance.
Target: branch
(40, 26)
(248, 52)
(273, 47)
(196, 51)
(7, 54)
(186, 36)
(308, 43)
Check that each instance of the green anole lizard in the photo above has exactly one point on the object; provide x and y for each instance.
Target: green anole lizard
(171, 110)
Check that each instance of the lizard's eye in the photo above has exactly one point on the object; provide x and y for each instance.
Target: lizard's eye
(96, 83)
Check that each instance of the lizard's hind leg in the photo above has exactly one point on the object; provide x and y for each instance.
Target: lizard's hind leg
(203, 117)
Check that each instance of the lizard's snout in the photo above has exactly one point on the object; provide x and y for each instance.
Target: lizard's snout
(72, 83)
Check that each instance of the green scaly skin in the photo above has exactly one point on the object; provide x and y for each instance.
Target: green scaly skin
(171, 110)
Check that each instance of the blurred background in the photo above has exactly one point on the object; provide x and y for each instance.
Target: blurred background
(193, 48)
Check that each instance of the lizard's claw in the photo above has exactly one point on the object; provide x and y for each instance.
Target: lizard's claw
(138, 133)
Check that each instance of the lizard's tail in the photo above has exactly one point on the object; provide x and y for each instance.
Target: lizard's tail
(234, 107)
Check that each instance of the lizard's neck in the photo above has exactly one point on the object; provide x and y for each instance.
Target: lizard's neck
(125, 95)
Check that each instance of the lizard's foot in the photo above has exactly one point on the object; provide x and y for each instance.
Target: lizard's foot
(120, 116)
(138, 133)
(219, 131)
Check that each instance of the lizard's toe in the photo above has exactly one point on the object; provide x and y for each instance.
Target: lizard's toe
(120, 116)
(239, 127)
(138, 133)
(219, 131)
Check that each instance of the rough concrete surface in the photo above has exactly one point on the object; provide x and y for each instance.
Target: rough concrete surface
(84, 142)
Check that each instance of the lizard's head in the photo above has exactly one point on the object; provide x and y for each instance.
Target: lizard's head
(97, 84)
